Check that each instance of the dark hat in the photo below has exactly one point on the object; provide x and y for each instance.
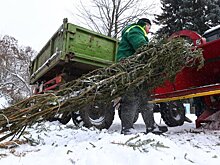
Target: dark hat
(143, 21)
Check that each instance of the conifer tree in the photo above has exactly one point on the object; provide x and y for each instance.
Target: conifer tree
(196, 15)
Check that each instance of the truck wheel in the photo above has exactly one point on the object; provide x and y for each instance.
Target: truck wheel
(99, 115)
(77, 119)
(173, 113)
(63, 118)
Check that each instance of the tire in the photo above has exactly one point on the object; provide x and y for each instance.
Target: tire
(77, 119)
(99, 115)
(63, 118)
(173, 113)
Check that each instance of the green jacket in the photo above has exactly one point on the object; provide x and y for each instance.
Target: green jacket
(133, 37)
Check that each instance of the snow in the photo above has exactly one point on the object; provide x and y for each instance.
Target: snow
(3, 103)
(58, 144)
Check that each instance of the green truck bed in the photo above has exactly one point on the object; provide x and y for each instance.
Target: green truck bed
(72, 50)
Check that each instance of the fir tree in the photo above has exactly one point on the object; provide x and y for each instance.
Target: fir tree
(196, 15)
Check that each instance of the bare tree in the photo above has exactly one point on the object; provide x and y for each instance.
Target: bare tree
(110, 16)
(14, 69)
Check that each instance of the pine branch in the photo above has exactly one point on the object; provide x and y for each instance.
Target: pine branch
(152, 64)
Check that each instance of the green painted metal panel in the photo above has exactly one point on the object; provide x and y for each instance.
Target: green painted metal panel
(85, 46)
(91, 45)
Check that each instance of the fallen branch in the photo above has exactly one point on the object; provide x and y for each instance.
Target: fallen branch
(12, 144)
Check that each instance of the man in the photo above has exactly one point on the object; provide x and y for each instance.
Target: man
(133, 37)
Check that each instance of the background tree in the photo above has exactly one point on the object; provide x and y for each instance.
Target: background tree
(110, 16)
(196, 15)
(14, 69)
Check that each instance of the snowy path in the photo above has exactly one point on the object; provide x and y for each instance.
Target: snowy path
(65, 145)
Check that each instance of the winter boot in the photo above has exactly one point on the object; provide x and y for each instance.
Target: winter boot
(151, 126)
(127, 117)
(128, 131)
(156, 129)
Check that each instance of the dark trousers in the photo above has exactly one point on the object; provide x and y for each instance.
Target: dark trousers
(136, 100)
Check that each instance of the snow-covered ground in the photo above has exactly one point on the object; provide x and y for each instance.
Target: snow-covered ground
(3, 103)
(53, 143)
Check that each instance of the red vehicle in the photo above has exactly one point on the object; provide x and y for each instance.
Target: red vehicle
(203, 85)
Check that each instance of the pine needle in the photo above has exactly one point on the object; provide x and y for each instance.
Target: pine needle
(151, 65)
